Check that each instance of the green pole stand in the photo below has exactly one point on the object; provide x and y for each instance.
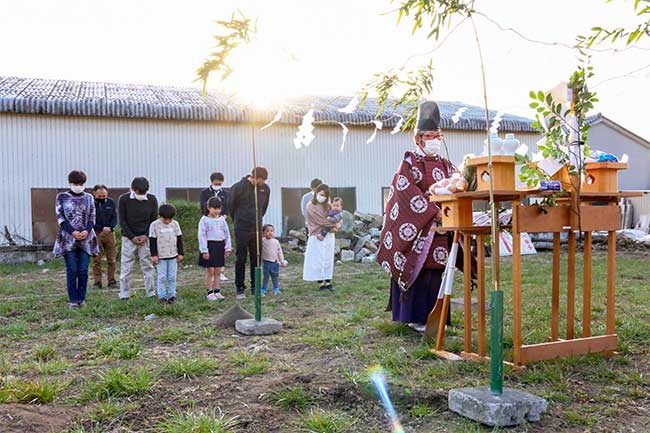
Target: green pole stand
(496, 343)
(258, 294)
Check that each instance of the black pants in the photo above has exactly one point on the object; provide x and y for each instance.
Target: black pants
(246, 244)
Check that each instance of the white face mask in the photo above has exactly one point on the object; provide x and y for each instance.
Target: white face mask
(432, 147)
(77, 189)
(320, 198)
(216, 188)
(140, 197)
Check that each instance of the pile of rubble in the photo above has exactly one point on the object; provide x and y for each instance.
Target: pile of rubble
(357, 241)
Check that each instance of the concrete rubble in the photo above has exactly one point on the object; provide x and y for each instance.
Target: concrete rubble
(357, 241)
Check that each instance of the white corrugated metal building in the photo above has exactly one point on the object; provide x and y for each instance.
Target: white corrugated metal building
(176, 138)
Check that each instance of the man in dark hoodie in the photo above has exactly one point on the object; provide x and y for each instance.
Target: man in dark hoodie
(241, 207)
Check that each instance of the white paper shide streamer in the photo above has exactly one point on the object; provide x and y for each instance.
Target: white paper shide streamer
(345, 135)
(378, 125)
(398, 127)
(494, 127)
(351, 107)
(456, 117)
(305, 134)
(276, 119)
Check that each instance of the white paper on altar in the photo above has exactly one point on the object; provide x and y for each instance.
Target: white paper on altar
(550, 165)
(505, 244)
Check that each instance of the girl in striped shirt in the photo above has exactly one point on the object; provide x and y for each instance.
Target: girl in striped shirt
(214, 246)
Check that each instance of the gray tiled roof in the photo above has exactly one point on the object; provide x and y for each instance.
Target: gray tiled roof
(85, 98)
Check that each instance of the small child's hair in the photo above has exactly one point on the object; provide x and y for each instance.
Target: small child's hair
(215, 203)
(266, 226)
(337, 200)
(216, 176)
(167, 211)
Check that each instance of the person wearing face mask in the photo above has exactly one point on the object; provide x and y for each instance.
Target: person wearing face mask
(248, 235)
(319, 257)
(215, 189)
(106, 220)
(136, 211)
(76, 241)
(308, 196)
(411, 250)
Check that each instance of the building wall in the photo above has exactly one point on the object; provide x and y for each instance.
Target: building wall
(39, 150)
(608, 139)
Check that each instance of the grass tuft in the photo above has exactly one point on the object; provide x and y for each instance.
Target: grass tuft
(320, 421)
(188, 368)
(198, 422)
(116, 382)
(118, 347)
(292, 398)
(173, 336)
(421, 411)
(249, 364)
(44, 353)
(110, 410)
(30, 392)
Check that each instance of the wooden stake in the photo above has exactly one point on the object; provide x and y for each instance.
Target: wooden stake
(586, 288)
(516, 288)
(480, 273)
(611, 282)
(467, 283)
(571, 287)
(555, 293)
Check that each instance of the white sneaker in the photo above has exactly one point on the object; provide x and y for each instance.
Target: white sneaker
(212, 297)
(241, 296)
(417, 327)
(223, 277)
(219, 296)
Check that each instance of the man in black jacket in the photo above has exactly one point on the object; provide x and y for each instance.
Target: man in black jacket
(241, 207)
(137, 210)
(215, 189)
(105, 222)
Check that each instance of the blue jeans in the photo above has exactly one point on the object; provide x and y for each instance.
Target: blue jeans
(167, 269)
(270, 269)
(76, 270)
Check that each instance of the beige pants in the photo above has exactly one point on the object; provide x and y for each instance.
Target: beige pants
(130, 251)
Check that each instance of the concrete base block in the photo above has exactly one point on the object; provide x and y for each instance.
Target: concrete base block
(458, 304)
(510, 409)
(253, 327)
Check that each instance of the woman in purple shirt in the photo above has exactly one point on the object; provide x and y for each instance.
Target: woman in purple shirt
(76, 240)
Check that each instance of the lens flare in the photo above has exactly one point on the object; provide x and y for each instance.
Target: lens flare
(378, 379)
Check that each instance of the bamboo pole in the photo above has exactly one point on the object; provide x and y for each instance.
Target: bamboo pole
(496, 340)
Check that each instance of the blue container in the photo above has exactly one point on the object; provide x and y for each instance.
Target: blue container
(550, 185)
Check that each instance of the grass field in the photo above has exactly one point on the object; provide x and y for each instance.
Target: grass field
(104, 369)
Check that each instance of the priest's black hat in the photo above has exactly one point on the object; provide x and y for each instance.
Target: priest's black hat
(428, 117)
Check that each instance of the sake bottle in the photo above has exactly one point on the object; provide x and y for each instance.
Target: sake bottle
(495, 142)
(510, 144)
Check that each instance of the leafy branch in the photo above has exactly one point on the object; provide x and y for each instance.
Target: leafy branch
(238, 31)
(415, 84)
(601, 34)
(437, 12)
(564, 122)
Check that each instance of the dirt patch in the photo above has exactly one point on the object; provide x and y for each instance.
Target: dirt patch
(27, 418)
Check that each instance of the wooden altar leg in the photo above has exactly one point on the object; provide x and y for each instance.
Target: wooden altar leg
(586, 285)
(516, 289)
(571, 287)
(555, 293)
(467, 283)
(480, 274)
(611, 282)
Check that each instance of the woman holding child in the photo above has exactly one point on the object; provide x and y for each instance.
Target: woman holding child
(319, 258)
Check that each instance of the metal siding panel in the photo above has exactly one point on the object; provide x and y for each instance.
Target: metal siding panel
(42, 149)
